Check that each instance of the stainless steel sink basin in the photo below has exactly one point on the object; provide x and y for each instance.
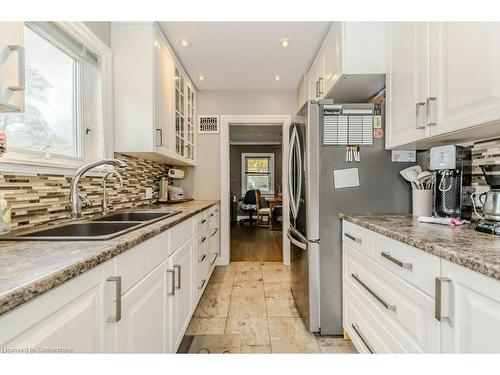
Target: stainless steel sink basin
(136, 216)
(98, 229)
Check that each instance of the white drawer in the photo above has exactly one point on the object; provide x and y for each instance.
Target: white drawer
(366, 332)
(180, 234)
(357, 237)
(407, 312)
(201, 220)
(413, 265)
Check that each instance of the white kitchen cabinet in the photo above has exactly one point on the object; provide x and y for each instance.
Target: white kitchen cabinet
(180, 293)
(350, 64)
(407, 82)
(142, 327)
(151, 89)
(12, 67)
(442, 82)
(302, 93)
(469, 306)
(465, 78)
(71, 317)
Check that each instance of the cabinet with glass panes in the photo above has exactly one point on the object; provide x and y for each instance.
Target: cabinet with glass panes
(184, 116)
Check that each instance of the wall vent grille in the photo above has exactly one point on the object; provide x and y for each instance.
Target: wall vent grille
(208, 124)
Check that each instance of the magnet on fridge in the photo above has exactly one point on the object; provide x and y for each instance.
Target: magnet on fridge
(377, 122)
(378, 133)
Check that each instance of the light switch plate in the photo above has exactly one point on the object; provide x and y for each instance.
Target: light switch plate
(148, 193)
(404, 156)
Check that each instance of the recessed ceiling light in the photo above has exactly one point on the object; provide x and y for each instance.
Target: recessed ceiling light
(202, 78)
(285, 43)
(185, 43)
(277, 77)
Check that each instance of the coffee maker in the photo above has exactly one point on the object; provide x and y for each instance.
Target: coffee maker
(490, 218)
(452, 166)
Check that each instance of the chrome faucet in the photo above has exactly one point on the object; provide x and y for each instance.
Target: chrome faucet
(74, 195)
(104, 209)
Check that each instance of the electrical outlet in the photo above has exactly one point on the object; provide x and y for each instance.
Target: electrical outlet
(148, 193)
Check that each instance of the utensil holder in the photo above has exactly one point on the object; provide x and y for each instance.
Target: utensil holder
(422, 202)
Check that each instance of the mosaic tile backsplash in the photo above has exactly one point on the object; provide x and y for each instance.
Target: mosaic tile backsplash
(484, 152)
(39, 198)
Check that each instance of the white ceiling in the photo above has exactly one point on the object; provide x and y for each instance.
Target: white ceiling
(246, 55)
(255, 133)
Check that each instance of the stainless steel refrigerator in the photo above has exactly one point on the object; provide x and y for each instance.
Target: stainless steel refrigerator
(315, 228)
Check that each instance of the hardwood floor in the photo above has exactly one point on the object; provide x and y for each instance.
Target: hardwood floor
(251, 244)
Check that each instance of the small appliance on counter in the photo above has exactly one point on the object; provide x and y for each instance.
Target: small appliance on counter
(453, 178)
(163, 190)
(168, 193)
(490, 218)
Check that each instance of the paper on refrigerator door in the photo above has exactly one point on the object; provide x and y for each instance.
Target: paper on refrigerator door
(345, 178)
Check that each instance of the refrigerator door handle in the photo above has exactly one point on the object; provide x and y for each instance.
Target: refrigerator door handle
(296, 242)
(299, 178)
(290, 173)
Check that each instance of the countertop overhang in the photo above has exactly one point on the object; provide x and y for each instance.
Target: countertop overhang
(30, 268)
(462, 245)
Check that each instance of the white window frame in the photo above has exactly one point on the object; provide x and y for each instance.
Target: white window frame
(245, 155)
(19, 161)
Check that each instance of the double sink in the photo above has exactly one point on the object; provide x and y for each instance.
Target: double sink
(96, 229)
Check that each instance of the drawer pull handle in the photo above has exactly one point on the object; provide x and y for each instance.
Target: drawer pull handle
(351, 237)
(118, 299)
(179, 269)
(392, 308)
(202, 284)
(204, 221)
(215, 258)
(356, 329)
(438, 314)
(387, 255)
(203, 239)
(215, 231)
(172, 283)
(203, 257)
(212, 214)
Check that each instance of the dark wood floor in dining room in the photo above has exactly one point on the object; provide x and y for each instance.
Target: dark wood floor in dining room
(252, 244)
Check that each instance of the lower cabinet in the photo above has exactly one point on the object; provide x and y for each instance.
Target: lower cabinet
(140, 301)
(390, 306)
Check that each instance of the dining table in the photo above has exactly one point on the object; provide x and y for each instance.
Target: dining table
(274, 202)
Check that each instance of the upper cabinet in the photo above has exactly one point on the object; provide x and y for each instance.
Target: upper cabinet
(154, 100)
(443, 82)
(350, 64)
(12, 67)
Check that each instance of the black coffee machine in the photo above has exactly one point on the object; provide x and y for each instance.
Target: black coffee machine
(452, 166)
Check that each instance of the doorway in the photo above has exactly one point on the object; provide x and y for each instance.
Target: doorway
(252, 158)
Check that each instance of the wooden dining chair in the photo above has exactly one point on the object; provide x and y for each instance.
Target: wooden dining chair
(262, 211)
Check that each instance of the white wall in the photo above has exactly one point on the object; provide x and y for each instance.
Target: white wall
(102, 30)
(203, 181)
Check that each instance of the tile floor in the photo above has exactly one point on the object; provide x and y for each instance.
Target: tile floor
(247, 307)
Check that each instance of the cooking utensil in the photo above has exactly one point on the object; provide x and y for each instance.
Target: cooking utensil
(410, 174)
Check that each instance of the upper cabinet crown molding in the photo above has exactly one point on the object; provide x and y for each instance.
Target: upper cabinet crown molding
(154, 99)
(443, 82)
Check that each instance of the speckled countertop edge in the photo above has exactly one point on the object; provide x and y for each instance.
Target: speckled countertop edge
(463, 245)
(18, 286)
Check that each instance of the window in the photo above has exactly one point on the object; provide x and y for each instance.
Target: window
(257, 172)
(61, 119)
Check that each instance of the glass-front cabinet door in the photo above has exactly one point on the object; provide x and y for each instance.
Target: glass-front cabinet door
(184, 116)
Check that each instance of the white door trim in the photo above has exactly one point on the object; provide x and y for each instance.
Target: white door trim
(225, 198)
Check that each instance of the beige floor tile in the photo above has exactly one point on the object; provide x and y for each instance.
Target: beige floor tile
(334, 344)
(212, 306)
(247, 316)
(215, 344)
(247, 276)
(206, 326)
(289, 335)
(281, 308)
(247, 266)
(337, 349)
(277, 290)
(223, 273)
(222, 289)
(255, 349)
(275, 272)
(248, 289)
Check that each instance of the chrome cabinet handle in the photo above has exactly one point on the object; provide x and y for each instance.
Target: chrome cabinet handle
(429, 112)
(161, 137)
(392, 308)
(387, 255)
(203, 258)
(417, 115)
(203, 239)
(118, 299)
(202, 284)
(178, 268)
(351, 237)
(438, 314)
(203, 221)
(355, 326)
(212, 214)
(214, 232)
(317, 91)
(320, 81)
(172, 283)
(20, 68)
(215, 258)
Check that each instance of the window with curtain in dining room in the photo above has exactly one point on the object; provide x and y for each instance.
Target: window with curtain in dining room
(257, 172)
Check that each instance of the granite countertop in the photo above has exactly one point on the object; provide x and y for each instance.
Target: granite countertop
(462, 245)
(30, 268)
